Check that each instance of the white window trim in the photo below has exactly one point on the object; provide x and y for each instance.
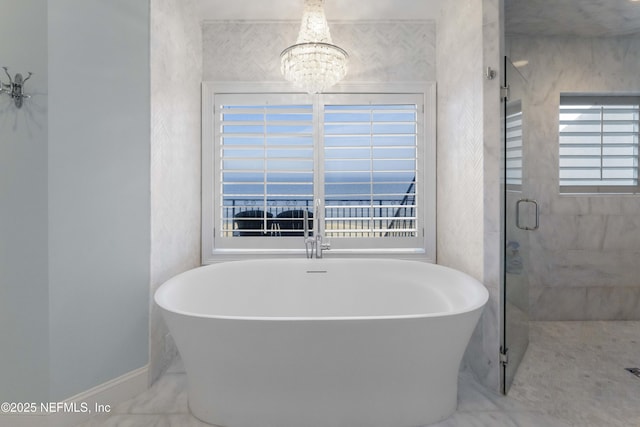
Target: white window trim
(211, 254)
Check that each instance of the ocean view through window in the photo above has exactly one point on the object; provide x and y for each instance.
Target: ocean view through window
(352, 164)
(370, 159)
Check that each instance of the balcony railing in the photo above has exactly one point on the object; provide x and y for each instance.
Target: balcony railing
(343, 218)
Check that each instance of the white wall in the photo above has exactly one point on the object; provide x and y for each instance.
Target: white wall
(75, 197)
(98, 191)
(176, 74)
(24, 293)
(584, 257)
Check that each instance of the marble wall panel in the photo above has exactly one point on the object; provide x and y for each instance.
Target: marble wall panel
(492, 51)
(584, 257)
(468, 163)
(586, 303)
(460, 143)
(176, 73)
(589, 18)
(622, 233)
(397, 51)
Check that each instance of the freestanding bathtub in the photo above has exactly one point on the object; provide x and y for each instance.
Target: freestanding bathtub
(322, 342)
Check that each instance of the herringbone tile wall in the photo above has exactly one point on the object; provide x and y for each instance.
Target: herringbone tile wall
(378, 51)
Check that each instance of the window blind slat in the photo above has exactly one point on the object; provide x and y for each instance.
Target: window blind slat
(514, 144)
(266, 166)
(371, 142)
(267, 152)
(599, 141)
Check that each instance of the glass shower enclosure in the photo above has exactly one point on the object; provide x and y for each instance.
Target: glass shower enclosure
(521, 219)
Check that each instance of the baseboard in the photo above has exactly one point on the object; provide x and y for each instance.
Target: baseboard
(96, 401)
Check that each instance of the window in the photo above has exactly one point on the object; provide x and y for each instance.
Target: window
(514, 145)
(266, 163)
(370, 164)
(359, 168)
(599, 144)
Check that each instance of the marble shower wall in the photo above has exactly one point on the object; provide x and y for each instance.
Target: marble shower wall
(396, 51)
(584, 259)
(176, 73)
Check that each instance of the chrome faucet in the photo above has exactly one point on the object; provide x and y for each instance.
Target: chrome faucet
(309, 242)
(313, 244)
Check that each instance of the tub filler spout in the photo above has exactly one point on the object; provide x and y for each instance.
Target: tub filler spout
(313, 238)
(309, 242)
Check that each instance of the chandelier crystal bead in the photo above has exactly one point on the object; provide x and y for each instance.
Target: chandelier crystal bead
(314, 63)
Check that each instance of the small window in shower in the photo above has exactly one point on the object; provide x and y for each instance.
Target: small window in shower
(514, 146)
(598, 143)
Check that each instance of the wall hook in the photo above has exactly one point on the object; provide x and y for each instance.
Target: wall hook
(490, 73)
(15, 88)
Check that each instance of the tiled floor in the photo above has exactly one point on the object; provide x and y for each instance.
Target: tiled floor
(572, 375)
(575, 372)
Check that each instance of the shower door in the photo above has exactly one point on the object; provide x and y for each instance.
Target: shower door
(521, 219)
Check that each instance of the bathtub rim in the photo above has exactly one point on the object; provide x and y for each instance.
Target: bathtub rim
(474, 283)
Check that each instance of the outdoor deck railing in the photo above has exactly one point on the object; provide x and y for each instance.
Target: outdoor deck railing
(343, 218)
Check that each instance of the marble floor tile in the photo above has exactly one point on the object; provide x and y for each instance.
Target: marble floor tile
(164, 405)
(473, 397)
(167, 396)
(500, 419)
(575, 372)
(156, 420)
(176, 366)
(572, 375)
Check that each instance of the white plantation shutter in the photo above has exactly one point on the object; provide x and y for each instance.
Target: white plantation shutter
(514, 145)
(266, 164)
(599, 143)
(370, 160)
(352, 163)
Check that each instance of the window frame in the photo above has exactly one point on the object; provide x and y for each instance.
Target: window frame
(602, 99)
(256, 247)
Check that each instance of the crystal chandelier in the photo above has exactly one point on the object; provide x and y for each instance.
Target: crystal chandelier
(314, 63)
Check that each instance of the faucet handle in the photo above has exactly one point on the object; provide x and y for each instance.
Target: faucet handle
(320, 247)
(319, 239)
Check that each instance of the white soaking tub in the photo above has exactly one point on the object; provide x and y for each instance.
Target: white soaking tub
(322, 342)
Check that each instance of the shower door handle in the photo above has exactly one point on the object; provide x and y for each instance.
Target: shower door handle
(537, 214)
